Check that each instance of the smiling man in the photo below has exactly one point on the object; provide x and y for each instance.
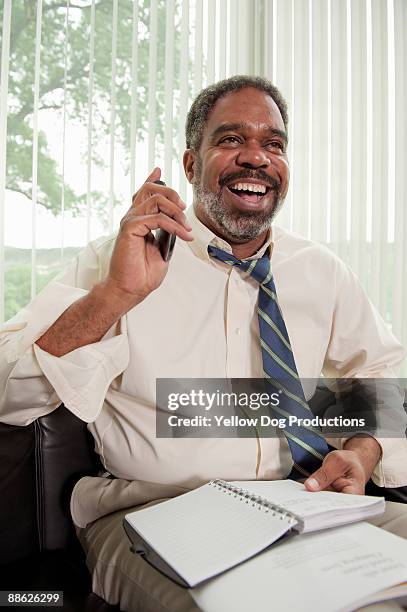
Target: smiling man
(239, 167)
(97, 338)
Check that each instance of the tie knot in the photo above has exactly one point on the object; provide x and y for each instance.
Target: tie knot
(259, 269)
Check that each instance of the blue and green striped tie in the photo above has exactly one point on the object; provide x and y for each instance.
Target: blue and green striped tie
(308, 447)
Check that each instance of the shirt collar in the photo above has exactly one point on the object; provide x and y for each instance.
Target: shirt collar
(203, 237)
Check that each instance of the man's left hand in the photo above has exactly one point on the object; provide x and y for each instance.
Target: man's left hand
(348, 470)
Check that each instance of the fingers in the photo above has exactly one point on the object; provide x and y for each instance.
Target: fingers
(351, 486)
(340, 471)
(134, 224)
(333, 467)
(155, 175)
(149, 189)
(159, 203)
(156, 206)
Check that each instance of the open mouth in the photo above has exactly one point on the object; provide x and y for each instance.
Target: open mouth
(249, 192)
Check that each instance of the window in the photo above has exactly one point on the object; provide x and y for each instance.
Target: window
(94, 94)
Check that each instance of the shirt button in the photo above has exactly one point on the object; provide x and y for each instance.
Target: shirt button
(237, 331)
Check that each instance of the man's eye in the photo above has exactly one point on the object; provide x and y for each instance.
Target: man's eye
(230, 139)
(276, 144)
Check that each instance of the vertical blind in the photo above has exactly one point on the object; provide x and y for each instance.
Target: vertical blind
(341, 65)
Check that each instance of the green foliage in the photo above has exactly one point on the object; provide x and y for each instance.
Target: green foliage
(18, 274)
(58, 54)
(17, 289)
(68, 58)
(18, 286)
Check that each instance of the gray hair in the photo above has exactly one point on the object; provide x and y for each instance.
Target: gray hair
(207, 98)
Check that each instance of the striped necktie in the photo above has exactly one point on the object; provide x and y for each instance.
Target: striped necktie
(307, 446)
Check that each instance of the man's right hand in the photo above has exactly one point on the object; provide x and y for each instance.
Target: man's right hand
(136, 269)
(136, 266)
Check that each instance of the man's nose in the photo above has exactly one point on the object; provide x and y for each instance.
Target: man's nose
(253, 156)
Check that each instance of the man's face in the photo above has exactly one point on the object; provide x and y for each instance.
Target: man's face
(240, 176)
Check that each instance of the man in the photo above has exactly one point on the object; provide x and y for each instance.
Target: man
(99, 336)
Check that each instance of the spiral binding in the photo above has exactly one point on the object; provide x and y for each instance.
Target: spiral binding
(256, 501)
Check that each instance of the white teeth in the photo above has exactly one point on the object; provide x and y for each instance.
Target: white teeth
(250, 187)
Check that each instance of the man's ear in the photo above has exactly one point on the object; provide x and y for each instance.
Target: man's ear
(189, 162)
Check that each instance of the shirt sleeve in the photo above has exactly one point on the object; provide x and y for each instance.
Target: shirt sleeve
(34, 382)
(362, 346)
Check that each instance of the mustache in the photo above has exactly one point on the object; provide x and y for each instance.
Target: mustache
(258, 175)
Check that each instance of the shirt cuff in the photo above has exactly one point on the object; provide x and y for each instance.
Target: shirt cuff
(82, 377)
(391, 469)
(32, 322)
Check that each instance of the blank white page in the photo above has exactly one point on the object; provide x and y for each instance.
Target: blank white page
(206, 531)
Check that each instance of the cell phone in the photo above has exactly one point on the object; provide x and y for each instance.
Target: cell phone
(165, 240)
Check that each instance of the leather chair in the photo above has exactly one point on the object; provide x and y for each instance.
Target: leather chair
(39, 465)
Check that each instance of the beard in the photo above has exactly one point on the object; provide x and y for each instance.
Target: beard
(234, 225)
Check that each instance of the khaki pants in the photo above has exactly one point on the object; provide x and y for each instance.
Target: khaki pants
(121, 577)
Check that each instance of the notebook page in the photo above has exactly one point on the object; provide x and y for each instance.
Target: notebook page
(206, 531)
(294, 497)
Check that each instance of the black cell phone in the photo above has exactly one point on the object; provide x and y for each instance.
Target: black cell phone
(165, 240)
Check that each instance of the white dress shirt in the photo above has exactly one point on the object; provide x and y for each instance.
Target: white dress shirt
(200, 323)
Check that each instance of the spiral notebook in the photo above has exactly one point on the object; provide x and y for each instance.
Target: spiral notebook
(213, 528)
